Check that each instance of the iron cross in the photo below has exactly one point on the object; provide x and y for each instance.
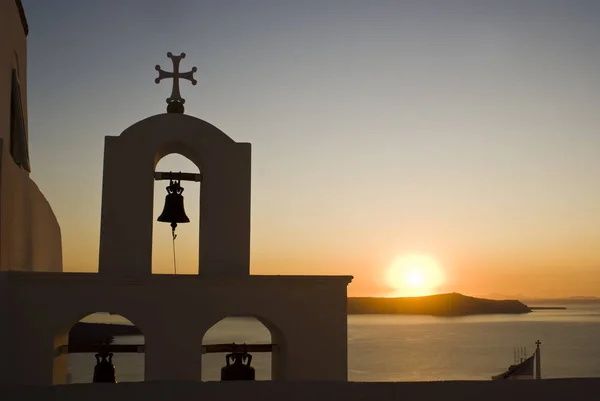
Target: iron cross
(175, 94)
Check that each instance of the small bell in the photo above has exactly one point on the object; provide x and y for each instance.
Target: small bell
(104, 371)
(173, 211)
(240, 369)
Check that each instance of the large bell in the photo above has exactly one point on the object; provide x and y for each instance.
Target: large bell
(240, 369)
(104, 371)
(173, 211)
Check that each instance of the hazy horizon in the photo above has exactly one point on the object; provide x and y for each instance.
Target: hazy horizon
(500, 297)
(464, 132)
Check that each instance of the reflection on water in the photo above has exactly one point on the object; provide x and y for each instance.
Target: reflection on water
(389, 348)
(417, 348)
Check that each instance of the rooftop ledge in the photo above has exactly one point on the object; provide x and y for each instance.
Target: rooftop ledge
(179, 278)
(502, 390)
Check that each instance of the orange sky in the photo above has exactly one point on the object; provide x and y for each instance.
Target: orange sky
(470, 265)
(379, 129)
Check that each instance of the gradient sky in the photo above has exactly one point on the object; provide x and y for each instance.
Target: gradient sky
(465, 130)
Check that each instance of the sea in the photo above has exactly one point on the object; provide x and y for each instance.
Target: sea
(411, 348)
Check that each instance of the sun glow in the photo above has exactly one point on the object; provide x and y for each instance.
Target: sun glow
(415, 275)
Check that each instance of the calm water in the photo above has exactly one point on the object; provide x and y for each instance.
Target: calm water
(416, 348)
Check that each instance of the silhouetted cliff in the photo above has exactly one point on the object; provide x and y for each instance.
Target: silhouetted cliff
(437, 305)
(91, 333)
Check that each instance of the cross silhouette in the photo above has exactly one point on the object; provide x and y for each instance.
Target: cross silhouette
(538, 343)
(175, 75)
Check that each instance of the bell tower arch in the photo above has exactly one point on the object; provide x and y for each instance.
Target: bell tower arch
(128, 195)
(48, 302)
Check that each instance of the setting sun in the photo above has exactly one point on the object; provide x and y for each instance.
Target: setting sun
(415, 275)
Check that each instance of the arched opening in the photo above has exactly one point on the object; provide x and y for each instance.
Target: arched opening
(240, 330)
(76, 347)
(179, 256)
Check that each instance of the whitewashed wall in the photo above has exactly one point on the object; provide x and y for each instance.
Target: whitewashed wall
(30, 237)
(306, 316)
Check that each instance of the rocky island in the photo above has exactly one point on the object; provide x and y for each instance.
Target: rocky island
(99, 333)
(452, 304)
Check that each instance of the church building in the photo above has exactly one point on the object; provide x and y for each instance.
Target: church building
(39, 303)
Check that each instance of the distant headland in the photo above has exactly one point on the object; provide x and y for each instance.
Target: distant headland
(452, 304)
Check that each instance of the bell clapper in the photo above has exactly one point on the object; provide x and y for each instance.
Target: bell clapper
(173, 226)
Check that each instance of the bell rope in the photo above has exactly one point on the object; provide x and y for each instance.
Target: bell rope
(174, 260)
